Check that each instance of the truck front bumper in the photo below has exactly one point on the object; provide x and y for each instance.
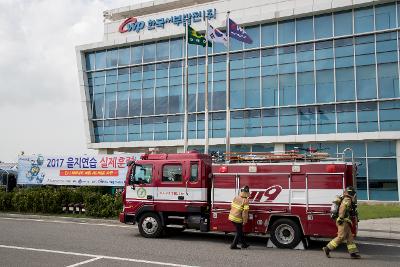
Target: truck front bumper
(127, 218)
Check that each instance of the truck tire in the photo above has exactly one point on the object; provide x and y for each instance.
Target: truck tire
(150, 225)
(285, 233)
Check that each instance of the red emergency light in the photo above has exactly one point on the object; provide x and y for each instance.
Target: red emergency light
(223, 169)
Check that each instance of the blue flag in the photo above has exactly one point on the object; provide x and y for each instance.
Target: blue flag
(237, 32)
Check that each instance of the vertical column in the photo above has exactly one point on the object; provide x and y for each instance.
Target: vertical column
(279, 147)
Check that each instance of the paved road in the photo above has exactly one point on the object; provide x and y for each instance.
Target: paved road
(60, 242)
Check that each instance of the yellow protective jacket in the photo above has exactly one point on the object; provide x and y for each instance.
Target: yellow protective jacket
(239, 209)
(344, 209)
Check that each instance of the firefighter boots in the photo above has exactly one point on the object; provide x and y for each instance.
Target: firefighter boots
(355, 256)
(326, 250)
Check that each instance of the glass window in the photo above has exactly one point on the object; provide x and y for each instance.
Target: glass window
(124, 56)
(149, 52)
(98, 106)
(100, 59)
(367, 117)
(306, 120)
(326, 119)
(304, 29)
(148, 101)
(112, 58)
(237, 123)
(135, 103)
(288, 121)
(343, 23)
(323, 26)
(388, 80)
(160, 128)
(270, 122)
(237, 93)
(194, 169)
(382, 169)
(346, 118)
(358, 149)
(305, 88)
(176, 48)
(286, 31)
(385, 16)
(121, 130)
(98, 131)
(364, 20)
(110, 104)
(325, 87)
(218, 95)
(252, 123)
(389, 115)
(175, 99)
(218, 125)
(122, 104)
(161, 101)
(134, 129)
(136, 54)
(366, 83)
(269, 34)
(252, 94)
(143, 174)
(162, 50)
(287, 89)
(345, 84)
(254, 33)
(109, 131)
(90, 58)
(175, 125)
(147, 128)
(269, 91)
(381, 149)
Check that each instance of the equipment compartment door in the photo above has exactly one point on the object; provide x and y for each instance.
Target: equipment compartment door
(224, 189)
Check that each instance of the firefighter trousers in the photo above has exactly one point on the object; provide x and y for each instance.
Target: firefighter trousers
(239, 236)
(344, 234)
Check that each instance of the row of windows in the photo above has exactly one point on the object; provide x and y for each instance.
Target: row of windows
(340, 118)
(343, 23)
(346, 69)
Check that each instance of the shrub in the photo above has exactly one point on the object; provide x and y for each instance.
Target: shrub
(98, 202)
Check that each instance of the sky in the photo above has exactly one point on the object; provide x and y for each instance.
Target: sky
(40, 102)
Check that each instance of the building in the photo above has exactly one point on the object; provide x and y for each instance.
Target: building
(319, 73)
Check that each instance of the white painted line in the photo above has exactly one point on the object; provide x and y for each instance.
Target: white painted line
(378, 244)
(96, 256)
(68, 222)
(84, 262)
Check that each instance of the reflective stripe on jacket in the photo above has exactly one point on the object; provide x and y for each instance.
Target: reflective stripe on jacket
(239, 210)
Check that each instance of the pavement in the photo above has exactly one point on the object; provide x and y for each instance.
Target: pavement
(388, 228)
(30, 240)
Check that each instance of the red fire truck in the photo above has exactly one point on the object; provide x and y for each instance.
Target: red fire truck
(290, 193)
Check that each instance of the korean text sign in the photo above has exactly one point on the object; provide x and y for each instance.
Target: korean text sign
(96, 170)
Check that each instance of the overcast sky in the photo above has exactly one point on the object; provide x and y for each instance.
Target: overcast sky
(40, 105)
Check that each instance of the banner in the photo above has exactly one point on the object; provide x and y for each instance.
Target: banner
(96, 170)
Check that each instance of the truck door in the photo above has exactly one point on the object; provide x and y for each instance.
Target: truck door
(195, 190)
(171, 191)
(142, 186)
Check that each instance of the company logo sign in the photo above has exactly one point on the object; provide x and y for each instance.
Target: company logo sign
(267, 195)
(134, 24)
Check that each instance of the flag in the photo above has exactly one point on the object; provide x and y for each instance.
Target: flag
(216, 35)
(197, 38)
(238, 33)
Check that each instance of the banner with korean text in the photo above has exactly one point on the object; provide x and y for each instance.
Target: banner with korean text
(95, 170)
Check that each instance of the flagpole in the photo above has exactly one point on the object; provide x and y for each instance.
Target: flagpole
(228, 95)
(185, 122)
(206, 94)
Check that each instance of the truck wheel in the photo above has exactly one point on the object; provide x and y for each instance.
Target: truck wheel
(285, 233)
(150, 225)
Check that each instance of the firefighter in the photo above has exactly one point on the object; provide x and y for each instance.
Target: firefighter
(344, 223)
(239, 215)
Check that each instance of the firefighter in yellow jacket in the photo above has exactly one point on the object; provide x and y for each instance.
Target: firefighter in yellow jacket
(344, 223)
(239, 215)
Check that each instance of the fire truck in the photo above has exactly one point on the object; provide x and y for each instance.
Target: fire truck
(290, 193)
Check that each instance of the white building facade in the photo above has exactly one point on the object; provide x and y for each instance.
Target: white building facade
(319, 73)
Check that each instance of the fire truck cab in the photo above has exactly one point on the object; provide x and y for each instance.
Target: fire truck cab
(290, 200)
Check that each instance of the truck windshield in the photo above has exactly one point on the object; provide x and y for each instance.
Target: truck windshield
(143, 174)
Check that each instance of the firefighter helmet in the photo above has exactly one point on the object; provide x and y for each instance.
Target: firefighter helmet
(350, 191)
(245, 189)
